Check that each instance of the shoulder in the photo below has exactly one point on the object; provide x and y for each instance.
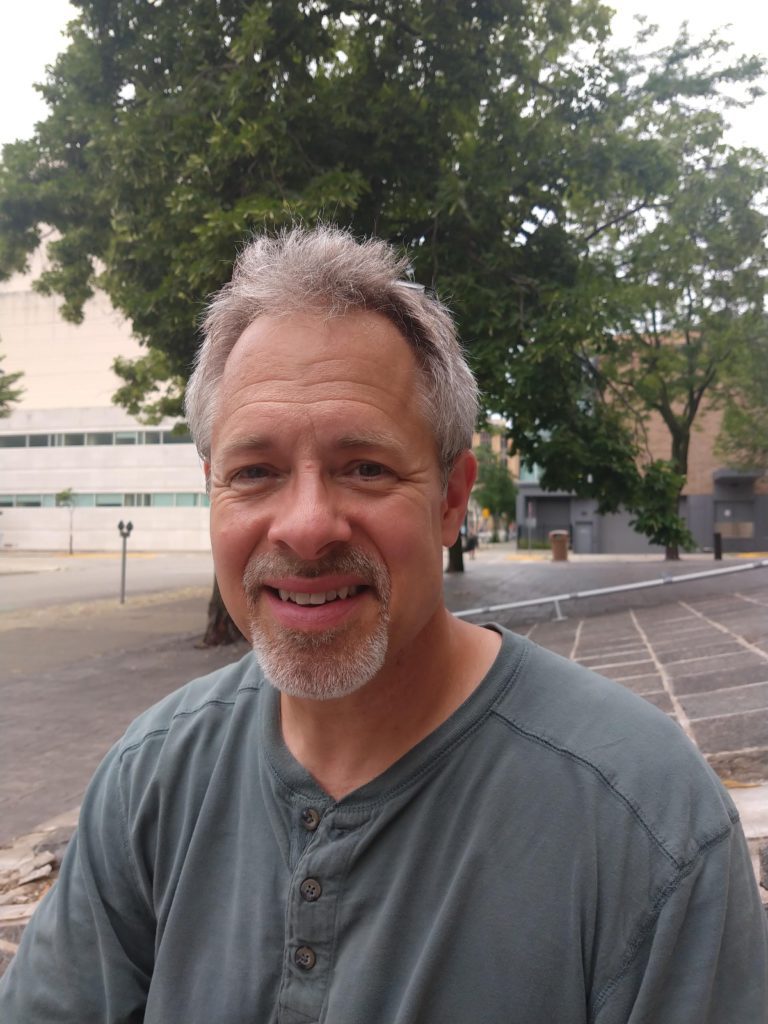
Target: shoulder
(203, 706)
(582, 725)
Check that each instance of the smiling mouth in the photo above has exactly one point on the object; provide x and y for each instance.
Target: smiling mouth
(323, 597)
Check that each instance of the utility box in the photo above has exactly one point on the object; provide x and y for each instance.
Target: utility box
(558, 540)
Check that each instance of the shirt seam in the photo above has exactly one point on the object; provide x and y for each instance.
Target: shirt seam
(186, 713)
(585, 762)
(665, 894)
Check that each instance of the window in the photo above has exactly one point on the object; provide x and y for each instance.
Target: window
(70, 440)
(152, 437)
(171, 437)
(13, 441)
(162, 500)
(186, 500)
(98, 438)
(109, 500)
(39, 440)
(126, 437)
(28, 501)
(84, 500)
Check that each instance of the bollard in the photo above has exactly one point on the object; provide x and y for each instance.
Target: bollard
(125, 533)
(718, 547)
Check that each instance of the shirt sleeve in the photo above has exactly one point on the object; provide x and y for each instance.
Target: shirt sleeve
(87, 953)
(702, 957)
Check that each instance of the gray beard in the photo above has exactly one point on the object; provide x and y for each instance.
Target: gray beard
(326, 665)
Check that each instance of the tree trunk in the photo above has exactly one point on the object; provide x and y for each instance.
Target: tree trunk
(220, 628)
(672, 553)
(456, 556)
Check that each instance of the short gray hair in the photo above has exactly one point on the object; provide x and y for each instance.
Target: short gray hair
(327, 270)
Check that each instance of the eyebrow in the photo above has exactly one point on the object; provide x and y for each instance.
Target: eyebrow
(360, 439)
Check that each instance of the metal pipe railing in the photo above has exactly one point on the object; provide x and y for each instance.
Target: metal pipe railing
(556, 599)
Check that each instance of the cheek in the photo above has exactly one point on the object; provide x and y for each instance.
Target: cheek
(234, 534)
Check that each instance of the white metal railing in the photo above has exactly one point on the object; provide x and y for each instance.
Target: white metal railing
(664, 580)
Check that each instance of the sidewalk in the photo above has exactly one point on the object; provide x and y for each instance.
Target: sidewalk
(75, 674)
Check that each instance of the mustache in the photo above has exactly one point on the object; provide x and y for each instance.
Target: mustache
(352, 561)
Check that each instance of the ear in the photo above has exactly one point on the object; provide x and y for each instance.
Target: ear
(454, 507)
(207, 473)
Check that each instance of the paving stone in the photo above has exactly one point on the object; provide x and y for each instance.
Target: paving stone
(726, 702)
(703, 682)
(703, 650)
(728, 664)
(643, 684)
(735, 732)
(661, 699)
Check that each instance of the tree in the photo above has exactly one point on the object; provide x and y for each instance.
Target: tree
(667, 288)
(9, 393)
(495, 488)
(743, 440)
(176, 129)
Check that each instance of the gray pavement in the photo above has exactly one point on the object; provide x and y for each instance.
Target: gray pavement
(77, 666)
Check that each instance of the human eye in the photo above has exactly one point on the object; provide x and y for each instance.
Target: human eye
(252, 476)
(370, 472)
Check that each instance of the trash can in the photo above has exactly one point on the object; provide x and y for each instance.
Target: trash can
(558, 540)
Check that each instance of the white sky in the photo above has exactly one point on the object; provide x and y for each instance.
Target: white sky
(32, 37)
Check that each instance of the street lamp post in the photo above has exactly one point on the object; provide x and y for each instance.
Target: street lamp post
(125, 533)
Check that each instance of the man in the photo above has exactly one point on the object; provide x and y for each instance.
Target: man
(386, 815)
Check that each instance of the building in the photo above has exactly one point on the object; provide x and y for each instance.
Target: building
(72, 464)
(716, 499)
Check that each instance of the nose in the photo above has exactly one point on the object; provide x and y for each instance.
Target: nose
(310, 520)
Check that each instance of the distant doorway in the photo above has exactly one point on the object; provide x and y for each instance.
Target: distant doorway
(583, 536)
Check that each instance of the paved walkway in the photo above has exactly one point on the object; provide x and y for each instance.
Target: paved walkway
(74, 673)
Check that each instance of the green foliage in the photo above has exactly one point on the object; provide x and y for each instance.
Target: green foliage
(577, 206)
(175, 130)
(743, 440)
(655, 503)
(9, 393)
(664, 291)
(495, 489)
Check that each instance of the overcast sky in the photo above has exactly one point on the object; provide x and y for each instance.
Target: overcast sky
(32, 36)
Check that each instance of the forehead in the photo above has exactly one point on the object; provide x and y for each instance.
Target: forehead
(350, 366)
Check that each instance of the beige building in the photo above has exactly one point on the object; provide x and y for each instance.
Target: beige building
(72, 464)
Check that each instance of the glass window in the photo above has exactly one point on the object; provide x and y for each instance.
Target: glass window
(74, 439)
(6, 501)
(152, 437)
(186, 500)
(530, 474)
(162, 500)
(99, 438)
(205, 501)
(13, 441)
(109, 500)
(171, 437)
(49, 501)
(126, 437)
(39, 440)
(84, 500)
(28, 501)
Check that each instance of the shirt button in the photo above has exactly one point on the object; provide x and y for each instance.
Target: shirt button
(310, 819)
(311, 890)
(305, 958)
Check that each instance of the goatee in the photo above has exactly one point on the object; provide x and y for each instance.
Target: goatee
(319, 665)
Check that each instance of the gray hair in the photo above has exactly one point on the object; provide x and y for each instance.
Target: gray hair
(327, 270)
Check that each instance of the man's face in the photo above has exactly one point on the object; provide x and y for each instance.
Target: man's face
(327, 511)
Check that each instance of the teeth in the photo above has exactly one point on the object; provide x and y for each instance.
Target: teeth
(329, 595)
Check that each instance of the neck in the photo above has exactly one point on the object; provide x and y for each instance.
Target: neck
(346, 743)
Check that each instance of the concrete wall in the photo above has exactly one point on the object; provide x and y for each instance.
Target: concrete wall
(95, 529)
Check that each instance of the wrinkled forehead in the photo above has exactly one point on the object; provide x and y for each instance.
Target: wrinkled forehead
(346, 363)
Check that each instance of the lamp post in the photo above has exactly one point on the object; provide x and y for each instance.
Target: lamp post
(125, 533)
